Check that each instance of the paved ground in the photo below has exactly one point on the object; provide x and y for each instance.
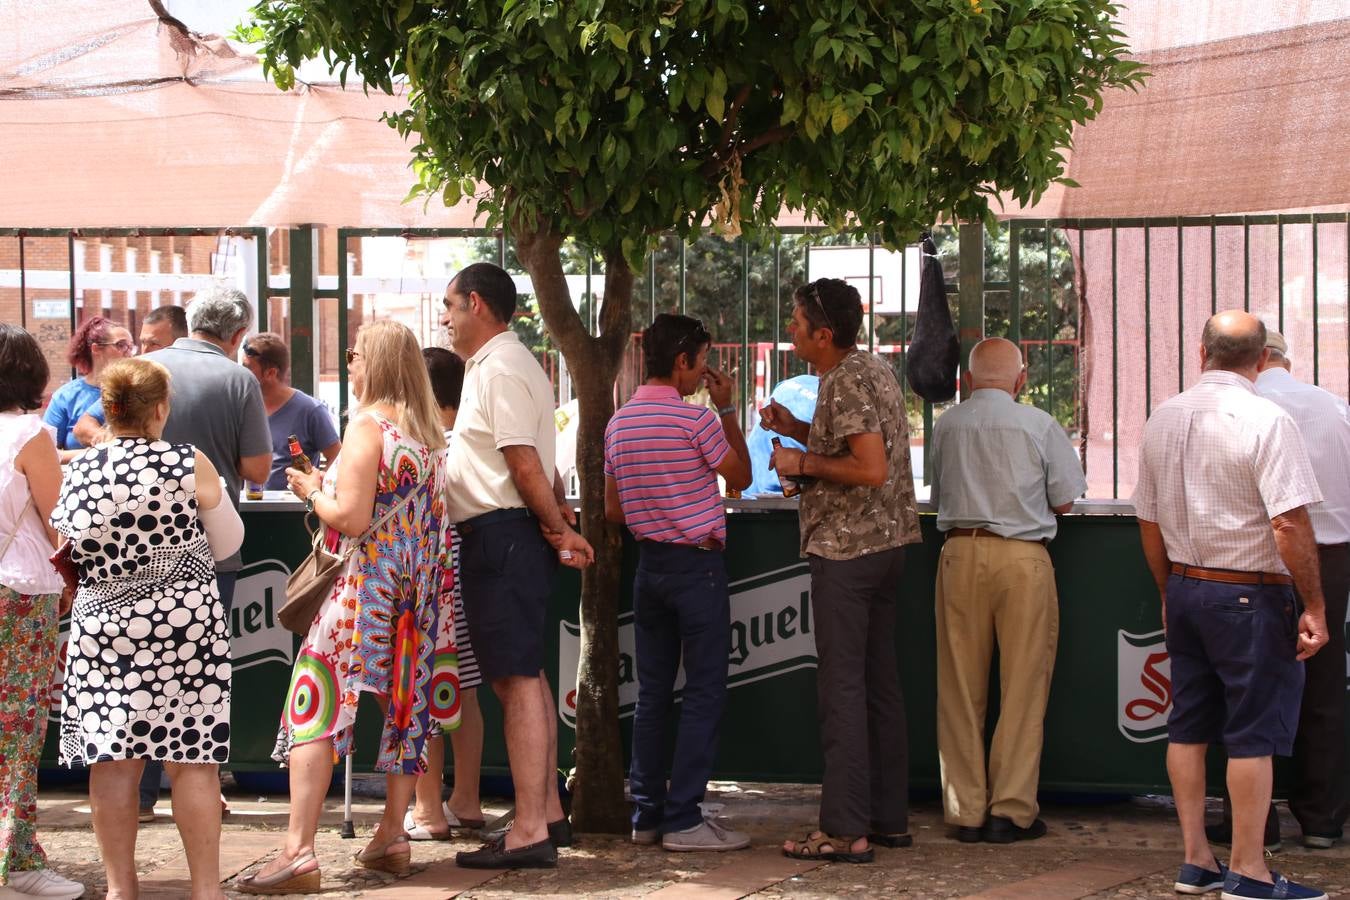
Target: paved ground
(1121, 850)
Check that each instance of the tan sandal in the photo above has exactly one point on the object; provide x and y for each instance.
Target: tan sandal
(813, 847)
(397, 863)
(283, 881)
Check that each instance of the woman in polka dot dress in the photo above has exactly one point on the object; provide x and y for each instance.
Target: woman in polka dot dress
(148, 664)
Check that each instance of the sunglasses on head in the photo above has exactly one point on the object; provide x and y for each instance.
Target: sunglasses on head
(814, 293)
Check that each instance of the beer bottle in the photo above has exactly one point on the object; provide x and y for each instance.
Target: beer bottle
(790, 486)
(298, 458)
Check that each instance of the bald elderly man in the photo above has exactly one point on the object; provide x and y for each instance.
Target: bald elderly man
(1223, 496)
(1001, 471)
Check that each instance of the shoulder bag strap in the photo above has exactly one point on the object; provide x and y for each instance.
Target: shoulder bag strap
(389, 514)
(18, 523)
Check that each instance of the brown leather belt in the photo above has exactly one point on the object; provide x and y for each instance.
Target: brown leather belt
(985, 532)
(1229, 576)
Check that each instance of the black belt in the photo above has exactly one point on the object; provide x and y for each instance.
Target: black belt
(493, 517)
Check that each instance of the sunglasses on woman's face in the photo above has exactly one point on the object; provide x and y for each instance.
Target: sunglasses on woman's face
(352, 353)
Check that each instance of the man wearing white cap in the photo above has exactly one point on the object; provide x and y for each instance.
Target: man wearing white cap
(1318, 799)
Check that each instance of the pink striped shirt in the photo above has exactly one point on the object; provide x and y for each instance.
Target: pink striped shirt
(662, 452)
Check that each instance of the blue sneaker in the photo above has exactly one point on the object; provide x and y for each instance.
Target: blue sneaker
(1195, 880)
(1240, 887)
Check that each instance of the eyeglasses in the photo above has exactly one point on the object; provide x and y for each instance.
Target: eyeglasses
(352, 353)
(814, 293)
(250, 351)
(124, 345)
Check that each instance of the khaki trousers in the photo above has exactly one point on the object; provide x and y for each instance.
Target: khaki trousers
(992, 589)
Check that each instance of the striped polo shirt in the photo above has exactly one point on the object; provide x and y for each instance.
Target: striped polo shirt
(662, 452)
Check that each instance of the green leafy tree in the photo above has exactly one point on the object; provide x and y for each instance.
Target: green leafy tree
(615, 121)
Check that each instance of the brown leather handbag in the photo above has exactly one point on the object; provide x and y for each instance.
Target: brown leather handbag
(312, 581)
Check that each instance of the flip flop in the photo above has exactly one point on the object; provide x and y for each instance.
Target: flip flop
(418, 832)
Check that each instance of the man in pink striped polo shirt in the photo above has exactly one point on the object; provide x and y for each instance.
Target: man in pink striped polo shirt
(662, 459)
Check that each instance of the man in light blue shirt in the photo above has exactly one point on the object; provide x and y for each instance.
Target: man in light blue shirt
(1001, 470)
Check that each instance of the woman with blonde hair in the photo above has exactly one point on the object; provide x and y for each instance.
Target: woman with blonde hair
(376, 631)
(148, 662)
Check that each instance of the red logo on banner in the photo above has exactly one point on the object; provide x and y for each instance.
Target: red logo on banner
(1156, 683)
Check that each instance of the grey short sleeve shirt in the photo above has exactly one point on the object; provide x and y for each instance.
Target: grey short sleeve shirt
(1002, 465)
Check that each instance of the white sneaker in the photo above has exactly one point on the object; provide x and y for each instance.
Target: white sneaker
(706, 835)
(43, 883)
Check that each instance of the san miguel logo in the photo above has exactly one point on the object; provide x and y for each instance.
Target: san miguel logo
(256, 637)
(770, 635)
(1143, 686)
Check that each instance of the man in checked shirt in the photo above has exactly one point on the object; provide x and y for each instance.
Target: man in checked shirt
(1222, 502)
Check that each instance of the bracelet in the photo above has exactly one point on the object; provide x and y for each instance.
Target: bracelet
(725, 411)
(801, 463)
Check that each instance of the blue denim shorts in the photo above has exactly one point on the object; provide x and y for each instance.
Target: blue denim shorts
(1235, 678)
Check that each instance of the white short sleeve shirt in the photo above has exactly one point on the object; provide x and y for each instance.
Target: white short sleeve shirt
(1217, 464)
(506, 401)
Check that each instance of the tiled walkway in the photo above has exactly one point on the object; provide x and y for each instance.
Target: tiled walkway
(1122, 850)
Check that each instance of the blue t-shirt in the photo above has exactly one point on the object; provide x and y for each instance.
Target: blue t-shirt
(798, 394)
(70, 401)
(308, 420)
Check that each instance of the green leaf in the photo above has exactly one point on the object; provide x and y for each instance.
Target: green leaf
(618, 37)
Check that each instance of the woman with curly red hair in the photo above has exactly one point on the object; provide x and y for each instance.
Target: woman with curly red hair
(96, 343)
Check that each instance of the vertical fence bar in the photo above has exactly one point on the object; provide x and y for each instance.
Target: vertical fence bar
(1049, 322)
(264, 281)
(70, 264)
(777, 309)
(684, 287)
(1115, 372)
(591, 305)
(1279, 231)
(1214, 267)
(1181, 309)
(23, 288)
(970, 291)
(1082, 280)
(746, 375)
(904, 307)
(651, 285)
(342, 323)
(1246, 265)
(1316, 347)
(1148, 323)
(501, 248)
(871, 293)
(1015, 283)
(303, 276)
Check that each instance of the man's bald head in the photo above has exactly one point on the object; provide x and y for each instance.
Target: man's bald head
(995, 363)
(1233, 341)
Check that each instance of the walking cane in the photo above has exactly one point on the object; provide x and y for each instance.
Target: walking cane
(348, 830)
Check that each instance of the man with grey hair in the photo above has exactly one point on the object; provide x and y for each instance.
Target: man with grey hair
(217, 406)
(1318, 798)
(1222, 501)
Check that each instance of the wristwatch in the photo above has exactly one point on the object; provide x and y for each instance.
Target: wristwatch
(309, 499)
(725, 411)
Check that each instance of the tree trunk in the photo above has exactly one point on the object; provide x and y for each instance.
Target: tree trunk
(593, 361)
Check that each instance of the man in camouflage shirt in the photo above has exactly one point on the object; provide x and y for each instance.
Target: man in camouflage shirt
(857, 513)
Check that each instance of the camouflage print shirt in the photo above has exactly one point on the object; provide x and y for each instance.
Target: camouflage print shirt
(860, 395)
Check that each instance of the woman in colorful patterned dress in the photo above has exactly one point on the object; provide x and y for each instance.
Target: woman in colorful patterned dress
(148, 662)
(376, 632)
(31, 599)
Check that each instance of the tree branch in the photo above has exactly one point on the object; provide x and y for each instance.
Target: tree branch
(772, 136)
(616, 315)
(537, 249)
(728, 126)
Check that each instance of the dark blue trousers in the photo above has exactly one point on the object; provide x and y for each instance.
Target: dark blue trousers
(682, 611)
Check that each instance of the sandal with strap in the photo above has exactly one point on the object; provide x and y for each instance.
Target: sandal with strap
(283, 881)
(812, 847)
(418, 832)
(397, 863)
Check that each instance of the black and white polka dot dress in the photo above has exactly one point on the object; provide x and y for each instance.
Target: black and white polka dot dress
(148, 664)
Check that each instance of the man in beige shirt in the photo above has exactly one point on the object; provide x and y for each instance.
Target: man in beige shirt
(514, 528)
(1222, 502)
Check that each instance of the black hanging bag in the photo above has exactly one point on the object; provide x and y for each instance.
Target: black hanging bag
(934, 352)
